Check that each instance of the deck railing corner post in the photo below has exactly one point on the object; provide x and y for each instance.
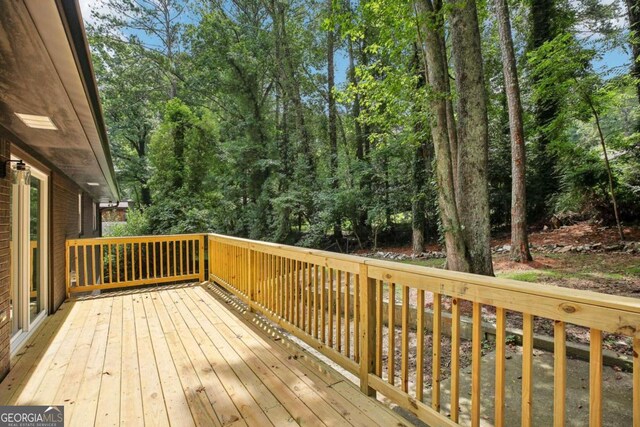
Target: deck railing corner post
(202, 273)
(367, 329)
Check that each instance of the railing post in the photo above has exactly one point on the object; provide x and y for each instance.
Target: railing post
(252, 276)
(367, 329)
(201, 258)
(67, 267)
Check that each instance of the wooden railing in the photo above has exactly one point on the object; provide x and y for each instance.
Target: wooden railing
(108, 263)
(336, 304)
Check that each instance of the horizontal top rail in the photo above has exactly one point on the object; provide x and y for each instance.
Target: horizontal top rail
(135, 239)
(571, 300)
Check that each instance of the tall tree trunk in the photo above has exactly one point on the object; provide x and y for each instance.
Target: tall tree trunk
(421, 163)
(544, 28)
(596, 116)
(519, 239)
(418, 205)
(473, 136)
(282, 131)
(633, 13)
(333, 130)
(361, 228)
(457, 255)
(293, 91)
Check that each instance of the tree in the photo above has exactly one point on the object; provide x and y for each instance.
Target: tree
(519, 240)
(472, 129)
(547, 23)
(154, 27)
(633, 14)
(457, 252)
(129, 99)
(333, 116)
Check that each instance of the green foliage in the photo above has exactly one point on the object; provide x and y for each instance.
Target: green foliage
(219, 122)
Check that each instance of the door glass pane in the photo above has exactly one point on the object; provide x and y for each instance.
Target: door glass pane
(14, 300)
(35, 232)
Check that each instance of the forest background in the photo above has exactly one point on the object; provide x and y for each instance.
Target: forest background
(346, 124)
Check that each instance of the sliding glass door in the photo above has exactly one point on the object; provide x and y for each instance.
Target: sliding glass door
(29, 221)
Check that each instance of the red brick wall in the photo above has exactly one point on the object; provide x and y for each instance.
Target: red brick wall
(5, 284)
(64, 225)
(64, 203)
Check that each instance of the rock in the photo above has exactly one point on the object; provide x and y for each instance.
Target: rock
(564, 250)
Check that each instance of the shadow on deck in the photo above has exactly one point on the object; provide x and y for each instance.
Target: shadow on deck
(178, 355)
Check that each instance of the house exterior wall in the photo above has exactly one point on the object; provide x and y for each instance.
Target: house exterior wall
(63, 225)
(5, 283)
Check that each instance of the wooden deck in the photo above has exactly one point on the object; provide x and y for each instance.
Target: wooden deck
(179, 356)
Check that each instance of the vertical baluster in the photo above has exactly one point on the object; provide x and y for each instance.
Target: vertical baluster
(155, 260)
(140, 260)
(391, 355)
(102, 263)
(146, 259)
(193, 256)
(267, 278)
(356, 318)
(338, 312)
(455, 358)
(93, 265)
(164, 263)
(404, 352)
(437, 340)
(500, 368)
(476, 355)
(595, 378)
(125, 258)
(316, 326)
(283, 287)
(110, 262)
(527, 369)
(559, 373)
(296, 287)
(323, 305)
(303, 295)
(288, 263)
(77, 261)
(274, 285)
(175, 264)
(84, 263)
(420, 345)
(379, 314)
(347, 317)
(275, 294)
(132, 257)
(309, 303)
(118, 261)
(636, 381)
(181, 258)
(330, 301)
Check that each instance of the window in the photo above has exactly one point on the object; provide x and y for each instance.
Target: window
(80, 228)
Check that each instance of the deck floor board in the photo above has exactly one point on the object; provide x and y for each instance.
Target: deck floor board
(179, 356)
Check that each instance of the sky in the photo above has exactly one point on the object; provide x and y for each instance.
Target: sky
(611, 59)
